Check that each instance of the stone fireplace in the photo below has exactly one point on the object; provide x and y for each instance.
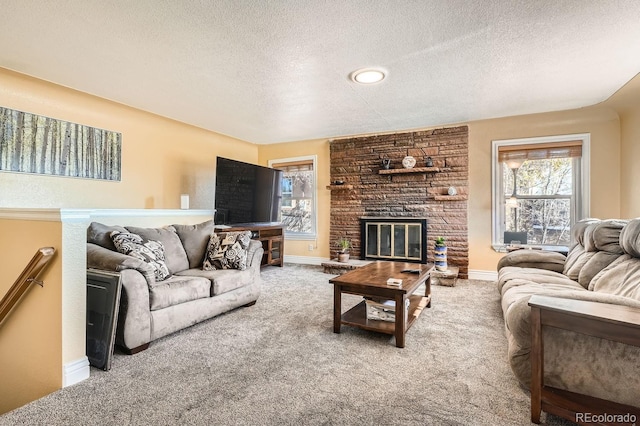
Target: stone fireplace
(397, 239)
(371, 191)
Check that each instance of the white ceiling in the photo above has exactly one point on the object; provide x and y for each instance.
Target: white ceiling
(277, 71)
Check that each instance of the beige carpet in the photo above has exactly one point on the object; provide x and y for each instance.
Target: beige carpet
(279, 362)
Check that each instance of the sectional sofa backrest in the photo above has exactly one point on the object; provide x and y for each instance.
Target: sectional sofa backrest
(597, 244)
(622, 276)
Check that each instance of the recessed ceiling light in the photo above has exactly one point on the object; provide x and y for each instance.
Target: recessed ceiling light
(367, 76)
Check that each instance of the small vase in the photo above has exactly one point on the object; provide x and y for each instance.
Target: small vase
(408, 162)
(343, 257)
(440, 258)
(429, 162)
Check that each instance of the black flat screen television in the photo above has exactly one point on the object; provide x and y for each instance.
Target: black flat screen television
(246, 193)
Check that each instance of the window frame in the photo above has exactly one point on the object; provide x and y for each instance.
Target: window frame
(314, 201)
(579, 208)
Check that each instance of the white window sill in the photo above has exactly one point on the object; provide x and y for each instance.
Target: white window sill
(300, 237)
(506, 248)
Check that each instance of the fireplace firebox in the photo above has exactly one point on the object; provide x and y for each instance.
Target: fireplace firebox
(397, 239)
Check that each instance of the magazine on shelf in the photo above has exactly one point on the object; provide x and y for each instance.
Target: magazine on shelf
(383, 310)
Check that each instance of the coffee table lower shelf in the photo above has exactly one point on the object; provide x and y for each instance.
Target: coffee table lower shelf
(357, 316)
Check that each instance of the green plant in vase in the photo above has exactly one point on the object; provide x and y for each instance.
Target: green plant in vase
(344, 244)
(440, 254)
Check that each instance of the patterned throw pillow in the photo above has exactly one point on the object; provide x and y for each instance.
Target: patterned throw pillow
(227, 251)
(149, 251)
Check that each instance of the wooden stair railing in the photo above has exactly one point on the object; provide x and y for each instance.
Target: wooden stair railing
(28, 276)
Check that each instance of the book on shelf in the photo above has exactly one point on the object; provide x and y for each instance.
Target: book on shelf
(384, 310)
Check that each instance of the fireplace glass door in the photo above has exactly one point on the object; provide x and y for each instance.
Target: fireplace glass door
(394, 241)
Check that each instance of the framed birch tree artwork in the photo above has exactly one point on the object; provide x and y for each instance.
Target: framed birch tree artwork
(31, 143)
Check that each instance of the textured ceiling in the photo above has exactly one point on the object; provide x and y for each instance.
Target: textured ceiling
(277, 71)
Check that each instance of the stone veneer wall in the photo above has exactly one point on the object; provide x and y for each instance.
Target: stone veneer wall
(357, 161)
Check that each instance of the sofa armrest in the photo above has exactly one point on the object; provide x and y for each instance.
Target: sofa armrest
(134, 318)
(254, 254)
(99, 257)
(518, 321)
(587, 328)
(540, 259)
(599, 297)
(518, 327)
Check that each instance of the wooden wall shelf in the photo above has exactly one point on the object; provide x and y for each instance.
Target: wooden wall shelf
(413, 170)
(450, 197)
(339, 187)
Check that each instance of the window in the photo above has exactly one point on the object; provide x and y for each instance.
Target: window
(298, 209)
(540, 189)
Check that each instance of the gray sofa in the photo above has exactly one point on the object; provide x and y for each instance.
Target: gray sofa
(602, 266)
(149, 308)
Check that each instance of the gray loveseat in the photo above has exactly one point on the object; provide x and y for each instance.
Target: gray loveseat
(603, 266)
(149, 308)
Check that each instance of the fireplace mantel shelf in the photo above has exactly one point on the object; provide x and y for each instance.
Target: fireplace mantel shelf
(413, 170)
(339, 187)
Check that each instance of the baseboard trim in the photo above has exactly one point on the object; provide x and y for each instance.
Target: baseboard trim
(75, 372)
(304, 260)
(483, 275)
(474, 274)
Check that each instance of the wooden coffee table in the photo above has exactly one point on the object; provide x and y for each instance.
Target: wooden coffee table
(371, 281)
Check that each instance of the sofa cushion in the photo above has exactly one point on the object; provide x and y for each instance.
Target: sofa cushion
(149, 251)
(604, 238)
(223, 280)
(112, 260)
(525, 290)
(175, 255)
(606, 235)
(227, 250)
(588, 240)
(620, 278)
(178, 289)
(577, 232)
(542, 259)
(195, 239)
(594, 265)
(578, 254)
(576, 261)
(513, 276)
(100, 234)
(630, 238)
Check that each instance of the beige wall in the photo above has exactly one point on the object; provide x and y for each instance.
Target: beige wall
(630, 172)
(603, 125)
(161, 158)
(601, 122)
(627, 103)
(320, 148)
(31, 336)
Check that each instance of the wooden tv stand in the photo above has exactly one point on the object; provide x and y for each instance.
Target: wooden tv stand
(271, 234)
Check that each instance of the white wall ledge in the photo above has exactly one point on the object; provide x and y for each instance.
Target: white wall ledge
(72, 215)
